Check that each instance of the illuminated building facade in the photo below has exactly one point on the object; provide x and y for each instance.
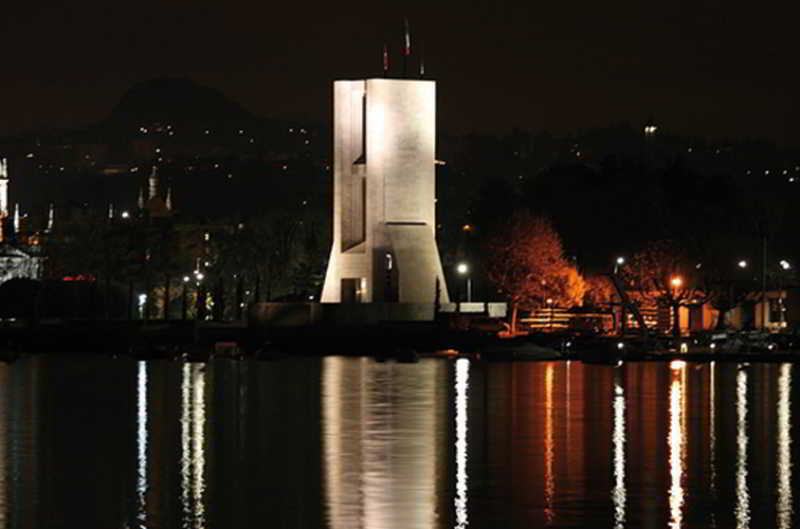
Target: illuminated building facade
(384, 247)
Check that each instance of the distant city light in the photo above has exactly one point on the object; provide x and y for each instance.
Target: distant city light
(742, 264)
(125, 215)
(785, 264)
(676, 282)
(462, 268)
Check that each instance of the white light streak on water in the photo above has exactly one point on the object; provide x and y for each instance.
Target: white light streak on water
(619, 494)
(186, 436)
(141, 442)
(193, 419)
(461, 386)
(675, 441)
(742, 509)
(199, 454)
(784, 463)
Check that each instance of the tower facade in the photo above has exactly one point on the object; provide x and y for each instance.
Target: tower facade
(384, 246)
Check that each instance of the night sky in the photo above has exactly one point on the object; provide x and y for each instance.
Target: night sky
(708, 68)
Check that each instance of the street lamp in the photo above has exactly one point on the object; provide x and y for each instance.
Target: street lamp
(463, 269)
(550, 306)
(742, 264)
(676, 283)
(785, 266)
(617, 263)
(183, 297)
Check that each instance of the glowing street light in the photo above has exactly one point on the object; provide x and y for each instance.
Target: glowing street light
(676, 282)
(463, 269)
(619, 261)
(742, 264)
(785, 264)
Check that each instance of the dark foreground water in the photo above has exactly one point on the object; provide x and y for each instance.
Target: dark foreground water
(350, 443)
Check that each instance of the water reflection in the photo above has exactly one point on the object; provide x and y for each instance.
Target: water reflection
(3, 447)
(351, 443)
(193, 461)
(141, 443)
(742, 509)
(619, 494)
(676, 441)
(712, 437)
(784, 459)
(549, 477)
(381, 422)
(462, 384)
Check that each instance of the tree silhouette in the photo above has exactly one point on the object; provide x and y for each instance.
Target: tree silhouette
(664, 272)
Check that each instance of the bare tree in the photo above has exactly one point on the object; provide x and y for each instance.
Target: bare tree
(527, 265)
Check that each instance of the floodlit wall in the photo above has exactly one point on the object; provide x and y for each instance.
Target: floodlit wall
(384, 247)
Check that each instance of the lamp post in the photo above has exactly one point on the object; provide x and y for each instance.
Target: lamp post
(183, 297)
(676, 283)
(785, 266)
(550, 306)
(463, 269)
(619, 261)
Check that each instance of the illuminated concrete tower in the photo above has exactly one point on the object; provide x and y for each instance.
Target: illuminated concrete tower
(384, 247)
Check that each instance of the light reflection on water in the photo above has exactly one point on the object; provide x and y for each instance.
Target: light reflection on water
(4, 387)
(549, 449)
(677, 442)
(618, 493)
(193, 419)
(141, 443)
(712, 438)
(784, 441)
(461, 386)
(742, 509)
(354, 443)
(380, 425)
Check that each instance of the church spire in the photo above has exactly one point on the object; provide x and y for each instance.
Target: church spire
(3, 187)
(152, 183)
(50, 218)
(16, 218)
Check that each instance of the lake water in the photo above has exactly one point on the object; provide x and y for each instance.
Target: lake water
(352, 443)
